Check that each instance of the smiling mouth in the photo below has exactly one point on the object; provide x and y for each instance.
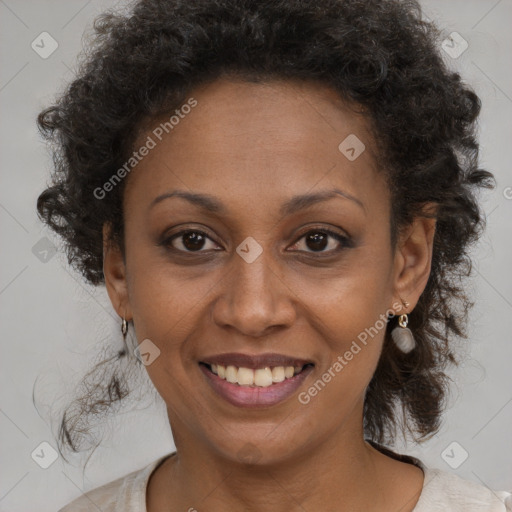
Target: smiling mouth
(255, 377)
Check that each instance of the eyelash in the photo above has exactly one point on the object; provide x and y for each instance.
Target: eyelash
(343, 240)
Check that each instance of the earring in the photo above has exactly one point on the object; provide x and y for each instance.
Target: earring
(124, 330)
(402, 336)
(124, 327)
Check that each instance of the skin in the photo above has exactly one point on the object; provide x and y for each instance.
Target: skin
(253, 147)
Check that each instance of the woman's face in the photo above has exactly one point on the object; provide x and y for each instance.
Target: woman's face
(262, 276)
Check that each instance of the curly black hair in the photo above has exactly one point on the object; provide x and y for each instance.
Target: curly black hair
(381, 56)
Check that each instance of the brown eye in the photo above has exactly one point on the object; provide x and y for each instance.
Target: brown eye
(190, 241)
(319, 241)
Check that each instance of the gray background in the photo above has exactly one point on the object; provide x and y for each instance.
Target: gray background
(52, 324)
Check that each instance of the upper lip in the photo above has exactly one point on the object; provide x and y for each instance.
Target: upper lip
(254, 361)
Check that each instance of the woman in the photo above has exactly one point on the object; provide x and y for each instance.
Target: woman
(279, 198)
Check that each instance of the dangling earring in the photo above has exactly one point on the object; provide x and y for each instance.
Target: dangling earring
(402, 336)
(124, 331)
(124, 327)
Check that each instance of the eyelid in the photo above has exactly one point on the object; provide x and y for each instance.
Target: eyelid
(342, 238)
(168, 239)
(322, 229)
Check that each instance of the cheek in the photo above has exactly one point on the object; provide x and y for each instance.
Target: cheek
(353, 331)
(353, 325)
(342, 308)
(352, 320)
(164, 298)
(353, 299)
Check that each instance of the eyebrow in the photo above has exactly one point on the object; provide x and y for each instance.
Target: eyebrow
(213, 205)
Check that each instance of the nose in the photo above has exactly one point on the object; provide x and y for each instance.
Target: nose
(255, 297)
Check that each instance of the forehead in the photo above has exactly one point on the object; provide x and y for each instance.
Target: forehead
(252, 141)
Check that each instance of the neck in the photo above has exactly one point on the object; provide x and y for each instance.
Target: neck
(342, 472)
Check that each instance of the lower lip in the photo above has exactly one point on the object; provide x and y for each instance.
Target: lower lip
(247, 396)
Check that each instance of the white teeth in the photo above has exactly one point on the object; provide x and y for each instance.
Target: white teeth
(261, 377)
(278, 374)
(232, 374)
(245, 377)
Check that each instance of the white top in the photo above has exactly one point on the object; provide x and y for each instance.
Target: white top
(442, 492)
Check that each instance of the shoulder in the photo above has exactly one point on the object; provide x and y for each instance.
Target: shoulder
(447, 492)
(102, 498)
(125, 494)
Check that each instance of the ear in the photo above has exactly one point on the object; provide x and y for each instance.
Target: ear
(114, 270)
(413, 258)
